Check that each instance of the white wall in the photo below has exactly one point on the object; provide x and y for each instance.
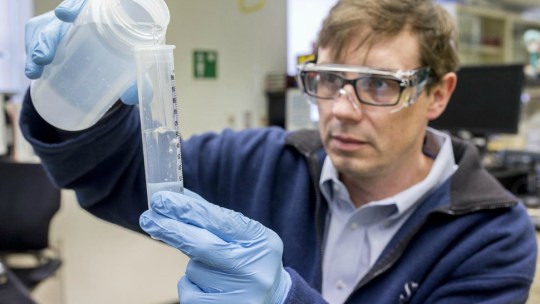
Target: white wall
(13, 13)
(304, 20)
(248, 45)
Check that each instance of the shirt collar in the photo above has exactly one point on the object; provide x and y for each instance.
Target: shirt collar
(437, 145)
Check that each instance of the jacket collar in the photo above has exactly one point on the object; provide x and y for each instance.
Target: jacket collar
(472, 187)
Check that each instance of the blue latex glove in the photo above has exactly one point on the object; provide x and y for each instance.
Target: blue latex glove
(43, 34)
(233, 259)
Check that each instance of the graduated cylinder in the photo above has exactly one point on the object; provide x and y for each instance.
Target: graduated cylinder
(158, 106)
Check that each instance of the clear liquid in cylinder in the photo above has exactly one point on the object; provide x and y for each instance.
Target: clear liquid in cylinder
(161, 149)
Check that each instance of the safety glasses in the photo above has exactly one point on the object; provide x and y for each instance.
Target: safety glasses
(379, 89)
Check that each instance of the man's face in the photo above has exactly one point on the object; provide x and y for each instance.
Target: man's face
(374, 144)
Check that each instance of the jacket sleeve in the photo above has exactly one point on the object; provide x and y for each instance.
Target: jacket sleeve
(238, 170)
(498, 265)
(301, 292)
(103, 164)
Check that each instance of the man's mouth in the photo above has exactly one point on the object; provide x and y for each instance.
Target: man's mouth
(346, 143)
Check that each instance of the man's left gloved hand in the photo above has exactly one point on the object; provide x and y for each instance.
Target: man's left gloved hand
(233, 259)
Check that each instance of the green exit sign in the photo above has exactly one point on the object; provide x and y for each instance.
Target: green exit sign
(205, 64)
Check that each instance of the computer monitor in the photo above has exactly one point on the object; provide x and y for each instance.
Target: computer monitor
(486, 101)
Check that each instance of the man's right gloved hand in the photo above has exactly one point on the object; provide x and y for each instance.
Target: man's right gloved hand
(43, 34)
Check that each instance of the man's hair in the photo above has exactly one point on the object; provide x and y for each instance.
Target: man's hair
(434, 27)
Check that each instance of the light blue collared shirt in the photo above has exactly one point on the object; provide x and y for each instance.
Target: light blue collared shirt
(355, 237)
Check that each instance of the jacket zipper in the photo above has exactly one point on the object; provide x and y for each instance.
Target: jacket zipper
(314, 168)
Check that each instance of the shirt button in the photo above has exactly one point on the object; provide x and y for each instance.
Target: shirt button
(340, 284)
(353, 226)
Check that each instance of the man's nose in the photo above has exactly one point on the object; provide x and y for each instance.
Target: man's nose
(345, 95)
(345, 106)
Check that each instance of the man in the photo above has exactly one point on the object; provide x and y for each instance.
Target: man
(384, 211)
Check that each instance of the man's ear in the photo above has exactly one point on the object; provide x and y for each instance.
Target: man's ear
(440, 95)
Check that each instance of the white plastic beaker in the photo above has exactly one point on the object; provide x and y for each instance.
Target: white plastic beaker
(94, 63)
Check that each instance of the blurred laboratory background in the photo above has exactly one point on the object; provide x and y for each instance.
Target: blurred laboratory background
(235, 63)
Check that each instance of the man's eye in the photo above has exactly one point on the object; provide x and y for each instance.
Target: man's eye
(330, 78)
(374, 83)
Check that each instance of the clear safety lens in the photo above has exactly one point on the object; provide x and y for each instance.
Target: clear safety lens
(378, 88)
(369, 89)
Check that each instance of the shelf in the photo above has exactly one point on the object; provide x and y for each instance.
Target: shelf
(481, 49)
(479, 26)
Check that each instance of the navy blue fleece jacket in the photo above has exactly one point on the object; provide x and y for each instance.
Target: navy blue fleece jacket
(468, 242)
